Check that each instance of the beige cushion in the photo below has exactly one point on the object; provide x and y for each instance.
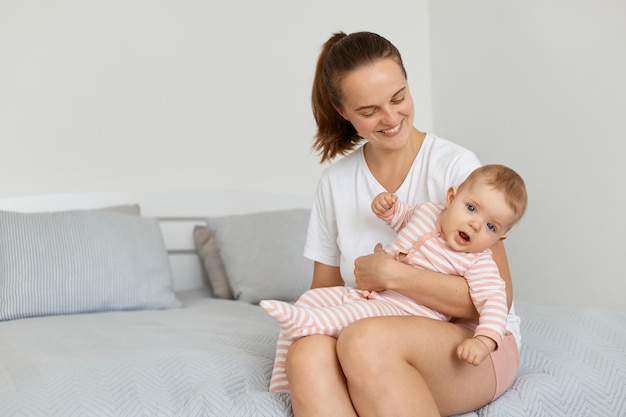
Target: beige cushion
(206, 247)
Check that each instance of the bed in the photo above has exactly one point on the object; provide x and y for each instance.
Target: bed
(145, 304)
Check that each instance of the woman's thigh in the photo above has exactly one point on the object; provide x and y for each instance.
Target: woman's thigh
(317, 384)
(386, 351)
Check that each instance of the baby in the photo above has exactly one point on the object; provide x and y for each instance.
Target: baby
(455, 239)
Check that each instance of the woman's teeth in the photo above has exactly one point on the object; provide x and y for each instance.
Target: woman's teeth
(393, 129)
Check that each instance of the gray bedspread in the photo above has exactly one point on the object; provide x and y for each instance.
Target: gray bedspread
(573, 365)
(210, 358)
(213, 358)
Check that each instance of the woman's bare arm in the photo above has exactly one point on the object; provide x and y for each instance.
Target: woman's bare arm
(325, 276)
(448, 294)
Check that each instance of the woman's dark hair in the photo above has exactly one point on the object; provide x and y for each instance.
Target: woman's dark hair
(340, 55)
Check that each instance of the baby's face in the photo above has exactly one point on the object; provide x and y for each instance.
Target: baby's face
(477, 216)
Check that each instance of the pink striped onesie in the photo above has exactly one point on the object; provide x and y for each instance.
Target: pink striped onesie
(328, 310)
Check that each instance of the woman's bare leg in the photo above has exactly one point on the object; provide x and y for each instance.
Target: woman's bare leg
(317, 384)
(407, 366)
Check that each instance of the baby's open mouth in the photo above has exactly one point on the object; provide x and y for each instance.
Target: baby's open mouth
(464, 236)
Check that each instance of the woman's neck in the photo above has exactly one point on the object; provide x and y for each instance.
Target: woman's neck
(390, 167)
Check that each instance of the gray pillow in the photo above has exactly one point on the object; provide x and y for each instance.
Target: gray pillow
(262, 253)
(206, 247)
(81, 261)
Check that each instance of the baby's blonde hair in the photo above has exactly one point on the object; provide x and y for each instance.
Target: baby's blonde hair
(506, 180)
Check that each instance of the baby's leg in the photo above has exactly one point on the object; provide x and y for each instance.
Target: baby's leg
(411, 307)
(323, 297)
(317, 297)
(278, 380)
(297, 321)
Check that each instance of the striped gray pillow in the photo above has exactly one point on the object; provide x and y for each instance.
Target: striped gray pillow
(80, 262)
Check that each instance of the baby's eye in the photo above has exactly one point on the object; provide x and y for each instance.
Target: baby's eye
(471, 208)
(491, 227)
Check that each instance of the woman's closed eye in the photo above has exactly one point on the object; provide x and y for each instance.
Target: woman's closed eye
(367, 111)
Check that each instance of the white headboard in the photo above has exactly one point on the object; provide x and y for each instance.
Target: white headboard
(177, 212)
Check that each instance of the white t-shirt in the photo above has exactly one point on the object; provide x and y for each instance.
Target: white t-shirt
(342, 225)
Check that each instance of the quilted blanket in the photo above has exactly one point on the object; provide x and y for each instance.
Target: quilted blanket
(214, 357)
(210, 358)
(573, 365)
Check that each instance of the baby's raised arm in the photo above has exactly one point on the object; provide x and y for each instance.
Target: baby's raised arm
(383, 202)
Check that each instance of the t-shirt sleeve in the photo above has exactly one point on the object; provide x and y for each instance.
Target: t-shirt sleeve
(321, 239)
(464, 162)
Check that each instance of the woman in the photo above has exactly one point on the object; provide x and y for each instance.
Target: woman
(400, 366)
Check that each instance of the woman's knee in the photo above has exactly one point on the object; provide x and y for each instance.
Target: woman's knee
(309, 350)
(316, 382)
(361, 341)
(310, 353)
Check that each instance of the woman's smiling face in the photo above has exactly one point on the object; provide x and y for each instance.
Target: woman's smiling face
(377, 101)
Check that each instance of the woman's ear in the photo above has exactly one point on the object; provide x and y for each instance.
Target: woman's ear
(450, 196)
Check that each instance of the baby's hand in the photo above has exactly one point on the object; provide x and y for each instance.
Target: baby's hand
(475, 350)
(383, 202)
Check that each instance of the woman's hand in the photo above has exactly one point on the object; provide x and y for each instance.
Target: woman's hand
(375, 271)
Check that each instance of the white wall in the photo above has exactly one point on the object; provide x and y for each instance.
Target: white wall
(192, 94)
(541, 86)
(144, 94)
